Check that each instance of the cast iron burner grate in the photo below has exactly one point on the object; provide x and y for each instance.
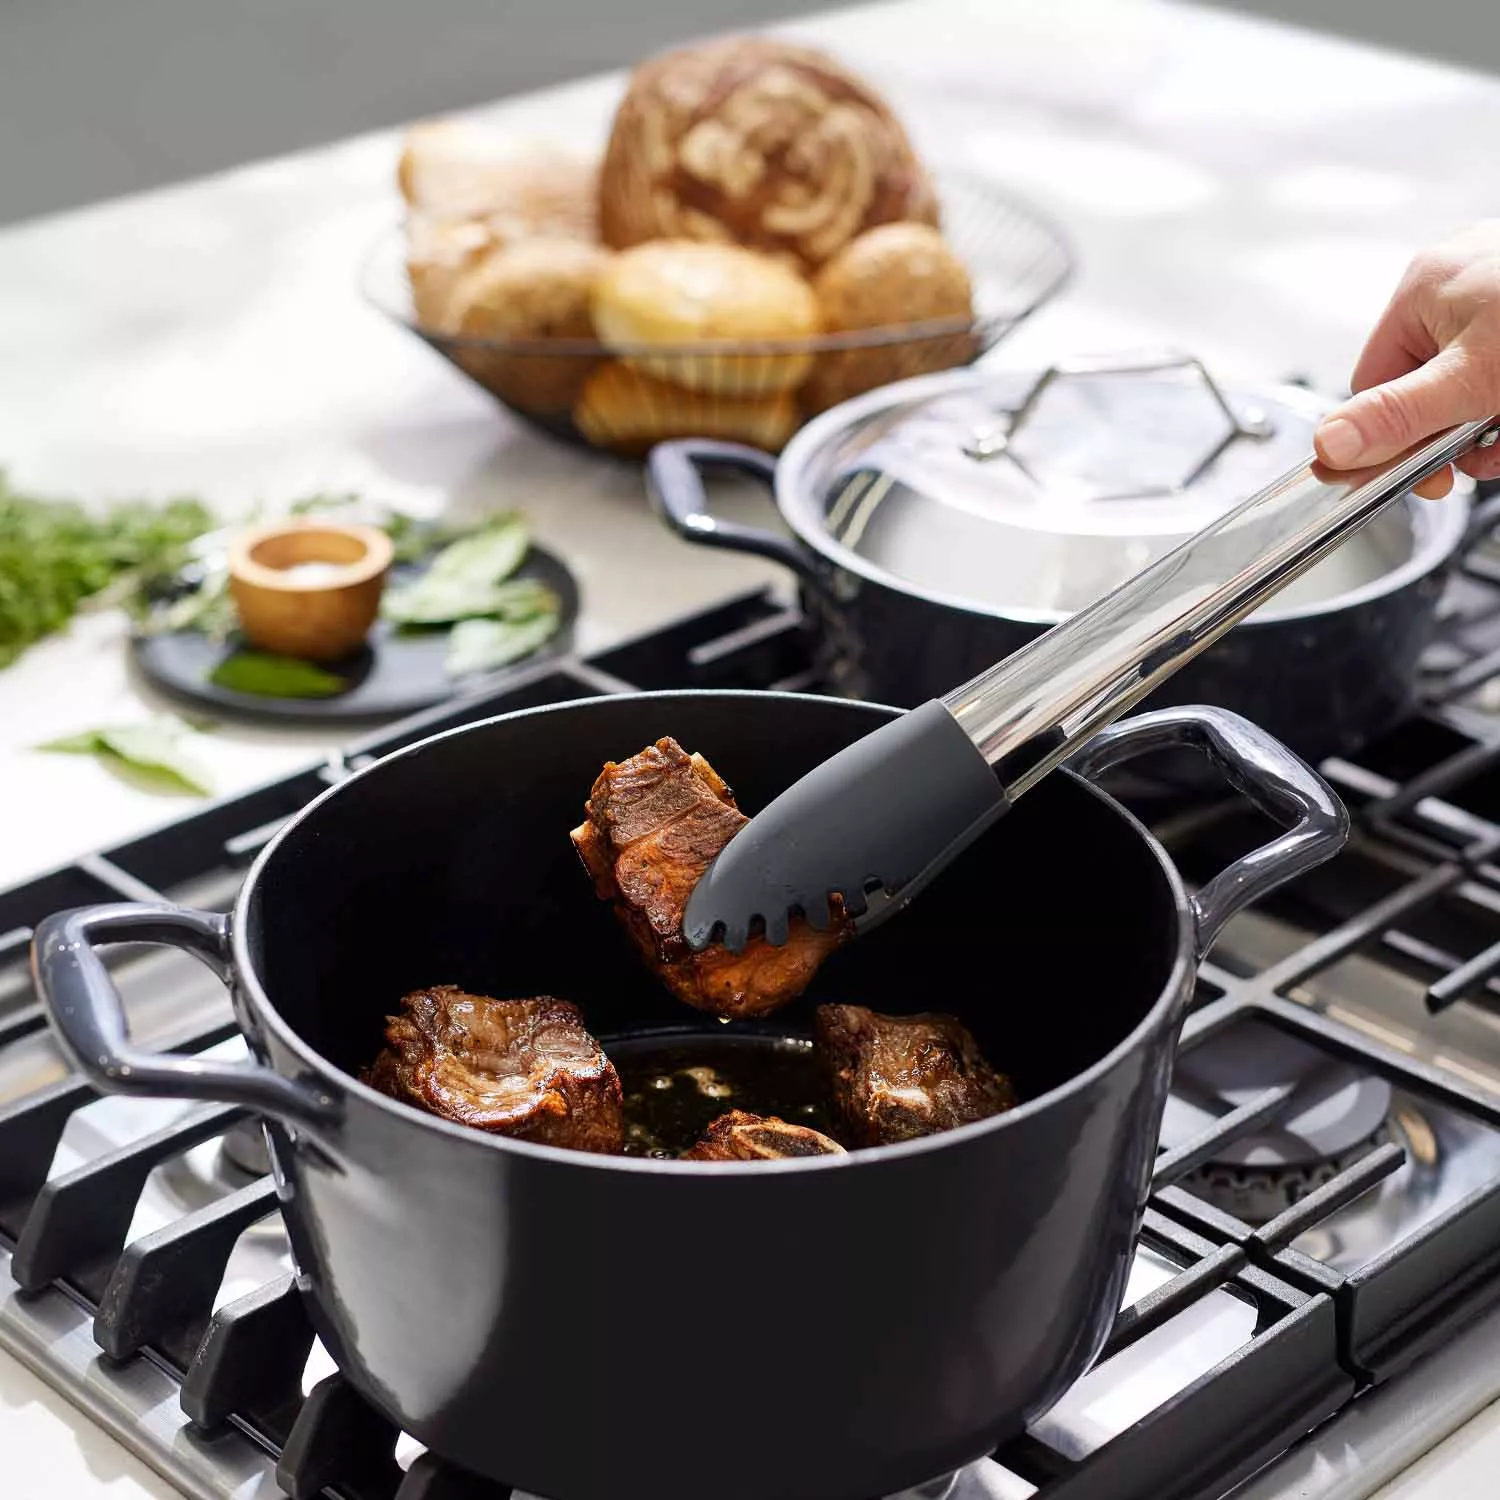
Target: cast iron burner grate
(1237, 1339)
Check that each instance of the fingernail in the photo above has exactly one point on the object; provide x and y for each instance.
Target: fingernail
(1340, 443)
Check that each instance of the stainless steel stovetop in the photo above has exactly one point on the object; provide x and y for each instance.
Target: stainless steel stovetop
(1316, 1293)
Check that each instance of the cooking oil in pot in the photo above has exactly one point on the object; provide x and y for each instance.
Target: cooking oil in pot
(676, 1085)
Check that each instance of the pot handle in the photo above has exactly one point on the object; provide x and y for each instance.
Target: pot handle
(674, 483)
(89, 1017)
(1259, 766)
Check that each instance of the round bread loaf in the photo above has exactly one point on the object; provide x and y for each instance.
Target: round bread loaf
(682, 293)
(626, 411)
(751, 141)
(892, 276)
(530, 291)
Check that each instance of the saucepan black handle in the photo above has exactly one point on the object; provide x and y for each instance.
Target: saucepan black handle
(89, 1017)
(1259, 766)
(674, 483)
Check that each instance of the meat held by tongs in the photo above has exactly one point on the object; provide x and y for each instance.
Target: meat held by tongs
(652, 825)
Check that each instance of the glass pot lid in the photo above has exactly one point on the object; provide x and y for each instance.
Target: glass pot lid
(1033, 493)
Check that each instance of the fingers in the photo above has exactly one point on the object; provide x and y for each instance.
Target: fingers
(1482, 463)
(1397, 345)
(1435, 486)
(1384, 420)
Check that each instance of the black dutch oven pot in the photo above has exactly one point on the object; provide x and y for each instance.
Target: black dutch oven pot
(592, 1327)
(939, 524)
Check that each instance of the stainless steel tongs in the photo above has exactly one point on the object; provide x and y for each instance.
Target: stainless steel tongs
(876, 822)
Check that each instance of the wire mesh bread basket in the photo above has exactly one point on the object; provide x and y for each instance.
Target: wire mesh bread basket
(624, 398)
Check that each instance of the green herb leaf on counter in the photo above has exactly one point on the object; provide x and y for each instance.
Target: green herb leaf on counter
(150, 755)
(55, 555)
(268, 676)
(484, 645)
(461, 582)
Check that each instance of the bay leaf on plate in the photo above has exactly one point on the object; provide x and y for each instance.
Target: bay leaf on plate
(485, 644)
(269, 676)
(461, 581)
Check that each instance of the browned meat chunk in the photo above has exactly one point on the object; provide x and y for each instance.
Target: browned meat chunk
(522, 1068)
(897, 1077)
(652, 826)
(740, 1136)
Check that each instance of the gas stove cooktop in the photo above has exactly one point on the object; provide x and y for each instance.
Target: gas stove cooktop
(1326, 1211)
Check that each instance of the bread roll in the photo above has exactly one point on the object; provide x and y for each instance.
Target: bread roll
(681, 293)
(438, 253)
(893, 275)
(451, 169)
(624, 410)
(896, 273)
(752, 141)
(533, 290)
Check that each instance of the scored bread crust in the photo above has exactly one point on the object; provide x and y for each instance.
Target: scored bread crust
(753, 141)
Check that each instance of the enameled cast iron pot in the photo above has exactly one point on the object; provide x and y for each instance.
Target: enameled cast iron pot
(592, 1327)
(924, 562)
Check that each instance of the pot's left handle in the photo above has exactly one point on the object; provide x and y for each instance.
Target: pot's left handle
(89, 1017)
(674, 483)
(1261, 768)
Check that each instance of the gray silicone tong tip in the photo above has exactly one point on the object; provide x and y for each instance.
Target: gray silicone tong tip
(871, 825)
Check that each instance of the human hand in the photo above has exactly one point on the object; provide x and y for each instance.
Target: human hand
(1432, 362)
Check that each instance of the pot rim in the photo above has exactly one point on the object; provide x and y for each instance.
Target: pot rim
(265, 1013)
(1434, 540)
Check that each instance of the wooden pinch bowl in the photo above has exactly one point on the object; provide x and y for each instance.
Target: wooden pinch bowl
(309, 588)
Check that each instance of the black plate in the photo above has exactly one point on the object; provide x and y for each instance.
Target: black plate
(392, 675)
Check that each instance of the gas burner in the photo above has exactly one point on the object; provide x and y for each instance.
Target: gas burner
(1338, 1115)
(1256, 1195)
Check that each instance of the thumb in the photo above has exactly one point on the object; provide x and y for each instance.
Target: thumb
(1385, 420)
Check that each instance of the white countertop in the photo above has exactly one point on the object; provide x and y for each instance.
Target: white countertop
(54, 1453)
(1247, 191)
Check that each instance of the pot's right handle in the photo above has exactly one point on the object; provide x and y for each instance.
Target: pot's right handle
(89, 1017)
(674, 483)
(1278, 783)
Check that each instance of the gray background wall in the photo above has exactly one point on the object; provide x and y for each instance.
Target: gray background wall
(102, 97)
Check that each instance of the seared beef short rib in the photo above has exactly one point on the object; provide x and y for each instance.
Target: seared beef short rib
(522, 1068)
(740, 1136)
(652, 826)
(894, 1078)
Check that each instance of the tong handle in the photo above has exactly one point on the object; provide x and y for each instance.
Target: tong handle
(1031, 711)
